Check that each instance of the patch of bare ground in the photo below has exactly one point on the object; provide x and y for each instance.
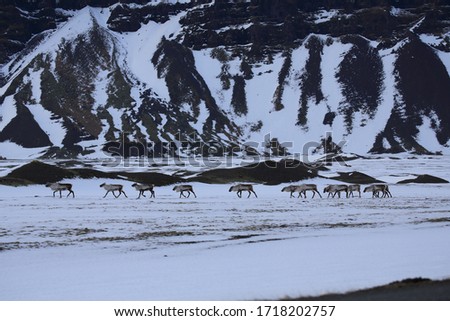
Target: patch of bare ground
(412, 289)
(435, 220)
(240, 237)
(341, 225)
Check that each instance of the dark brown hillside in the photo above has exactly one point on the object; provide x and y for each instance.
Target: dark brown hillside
(361, 76)
(311, 79)
(423, 83)
(175, 63)
(24, 130)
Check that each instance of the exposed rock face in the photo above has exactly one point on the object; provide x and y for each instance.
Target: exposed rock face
(207, 77)
(33, 136)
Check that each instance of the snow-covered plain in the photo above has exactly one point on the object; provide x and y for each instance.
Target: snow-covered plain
(220, 247)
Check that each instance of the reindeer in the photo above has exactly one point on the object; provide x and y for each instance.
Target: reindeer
(112, 188)
(141, 188)
(292, 189)
(377, 188)
(310, 187)
(354, 188)
(239, 188)
(336, 189)
(59, 187)
(184, 188)
(301, 189)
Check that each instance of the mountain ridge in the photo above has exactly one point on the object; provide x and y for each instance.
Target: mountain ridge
(214, 78)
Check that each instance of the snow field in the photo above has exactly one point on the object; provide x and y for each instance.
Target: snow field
(216, 246)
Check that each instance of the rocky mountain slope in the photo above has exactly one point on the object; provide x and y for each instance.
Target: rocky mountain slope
(85, 78)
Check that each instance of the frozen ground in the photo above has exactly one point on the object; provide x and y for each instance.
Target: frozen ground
(220, 247)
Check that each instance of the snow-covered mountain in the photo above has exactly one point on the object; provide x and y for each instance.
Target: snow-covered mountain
(223, 76)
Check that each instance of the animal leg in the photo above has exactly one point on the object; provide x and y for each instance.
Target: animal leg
(249, 193)
(123, 193)
(107, 194)
(194, 194)
(152, 194)
(386, 192)
(71, 192)
(318, 193)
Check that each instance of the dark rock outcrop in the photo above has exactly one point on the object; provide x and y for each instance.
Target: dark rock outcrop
(355, 178)
(424, 179)
(37, 172)
(267, 172)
